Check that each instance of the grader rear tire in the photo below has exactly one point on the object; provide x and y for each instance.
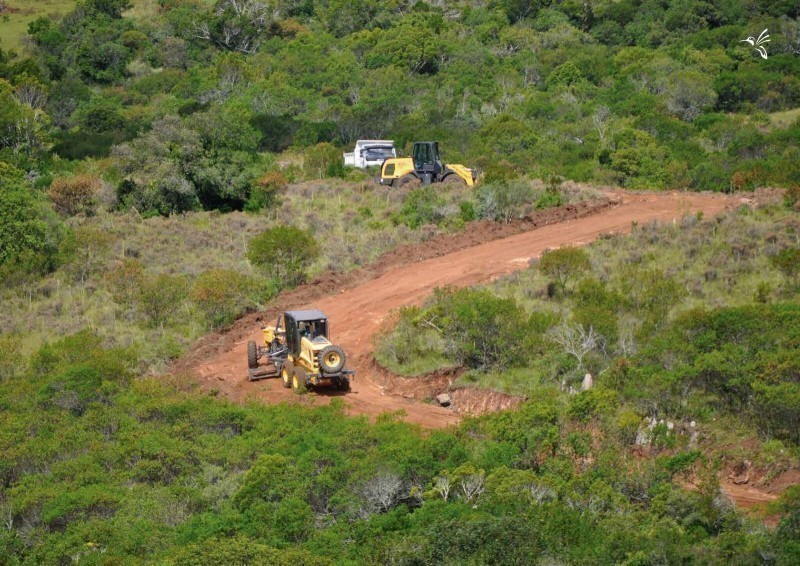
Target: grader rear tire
(252, 355)
(286, 375)
(298, 379)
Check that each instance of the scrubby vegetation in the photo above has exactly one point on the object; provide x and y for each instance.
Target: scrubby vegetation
(697, 321)
(156, 157)
(101, 466)
(592, 305)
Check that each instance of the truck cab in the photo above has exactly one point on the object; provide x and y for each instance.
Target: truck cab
(368, 153)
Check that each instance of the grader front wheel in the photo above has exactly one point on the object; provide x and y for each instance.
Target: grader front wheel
(252, 355)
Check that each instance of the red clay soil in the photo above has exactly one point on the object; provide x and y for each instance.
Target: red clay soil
(358, 302)
(750, 490)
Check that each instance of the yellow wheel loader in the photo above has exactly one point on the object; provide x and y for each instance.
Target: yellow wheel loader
(423, 168)
(298, 350)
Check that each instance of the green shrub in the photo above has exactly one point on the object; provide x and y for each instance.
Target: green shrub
(74, 195)
(266, 192)
(503, 201)
(160, 297)
(323, 160)
(241, 550)
(421, 206)
(29, 231)
(480, 330)
(550, 198)
(11, 363)
(222, 295)
(564, 265)
(467, 211)
(787, 261)
(409, 346)
(283, 252)
(125, 279)
(595, 402)
(628, 423)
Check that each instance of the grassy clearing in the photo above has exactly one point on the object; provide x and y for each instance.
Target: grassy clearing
(784, 119)
(15, 23)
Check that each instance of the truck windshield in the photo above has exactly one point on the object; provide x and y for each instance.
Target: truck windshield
(378, 153)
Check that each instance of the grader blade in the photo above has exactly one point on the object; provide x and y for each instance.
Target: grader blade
(262, 372)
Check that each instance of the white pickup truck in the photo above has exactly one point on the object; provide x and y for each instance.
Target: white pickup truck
(370, 152)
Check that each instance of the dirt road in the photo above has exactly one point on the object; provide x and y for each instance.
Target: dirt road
(357, 311)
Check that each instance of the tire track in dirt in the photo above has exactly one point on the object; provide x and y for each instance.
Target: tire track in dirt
(359, 304)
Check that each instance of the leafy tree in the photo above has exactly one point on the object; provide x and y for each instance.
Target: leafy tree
(266, 191)
(101, 114)
(236, 25)
(564, 75)
(155, 168)
(323, 160)
(23, 128)
(111, 8)
(564, 265)
(650, 294)
(283, 252)
(689, 93)
(104, 63)
(413, 44)
(29, 232)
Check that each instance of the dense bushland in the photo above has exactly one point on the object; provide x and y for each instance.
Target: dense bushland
(100, 466)
(193, 99)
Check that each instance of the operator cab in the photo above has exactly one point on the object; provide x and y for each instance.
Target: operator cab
(426, 158)
(297, 325)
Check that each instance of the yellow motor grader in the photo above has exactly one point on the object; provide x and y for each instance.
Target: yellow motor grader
(298, 349)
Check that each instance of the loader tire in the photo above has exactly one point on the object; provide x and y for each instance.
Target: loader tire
(343, 385)
(409, 181)
(298, 379)
(252, 355)
(453, 179)
(286, 374)
(331, 359)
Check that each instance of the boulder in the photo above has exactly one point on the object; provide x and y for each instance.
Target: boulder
(444, 399)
